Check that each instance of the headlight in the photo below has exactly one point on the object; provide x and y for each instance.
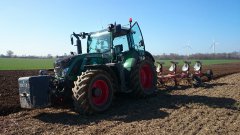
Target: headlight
(64, 72)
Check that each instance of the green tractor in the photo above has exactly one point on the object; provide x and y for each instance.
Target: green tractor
(116, 61)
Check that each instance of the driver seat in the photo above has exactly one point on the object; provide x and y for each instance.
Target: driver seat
(118, 49)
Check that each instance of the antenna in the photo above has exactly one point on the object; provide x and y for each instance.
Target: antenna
(101, 24)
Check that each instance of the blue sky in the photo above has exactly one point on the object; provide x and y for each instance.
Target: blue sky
(43, 27)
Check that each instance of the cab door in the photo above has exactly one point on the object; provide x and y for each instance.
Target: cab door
(137, 41)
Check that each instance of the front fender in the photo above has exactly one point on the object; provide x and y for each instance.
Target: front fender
(130, 59)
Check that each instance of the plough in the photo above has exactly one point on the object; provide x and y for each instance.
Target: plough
(194, 78)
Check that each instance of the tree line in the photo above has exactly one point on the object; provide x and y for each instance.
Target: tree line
(10, 54)
(200, 56)
(171, 56)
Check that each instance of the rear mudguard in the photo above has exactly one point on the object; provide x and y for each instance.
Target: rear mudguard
(149, 55)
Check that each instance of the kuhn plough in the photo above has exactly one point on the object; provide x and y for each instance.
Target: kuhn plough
(194, 78)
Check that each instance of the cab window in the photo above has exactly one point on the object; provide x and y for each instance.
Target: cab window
(121, 40)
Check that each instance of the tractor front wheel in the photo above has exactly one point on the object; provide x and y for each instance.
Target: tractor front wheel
(93, 92)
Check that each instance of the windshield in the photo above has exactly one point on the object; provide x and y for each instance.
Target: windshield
(99, 42)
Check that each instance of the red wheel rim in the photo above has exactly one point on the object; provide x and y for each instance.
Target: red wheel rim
(146, 76)
(102, 87)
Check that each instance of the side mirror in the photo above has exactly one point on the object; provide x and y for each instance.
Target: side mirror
(141, 43)
(72, 40)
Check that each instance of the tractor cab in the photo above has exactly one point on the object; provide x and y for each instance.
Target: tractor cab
(115, 40)
(117, 44)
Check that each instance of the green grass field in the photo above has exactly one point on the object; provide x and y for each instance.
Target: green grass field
(25, 63)
(28, 64)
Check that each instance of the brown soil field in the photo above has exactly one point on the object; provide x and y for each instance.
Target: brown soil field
(9, 96)
(211, 109)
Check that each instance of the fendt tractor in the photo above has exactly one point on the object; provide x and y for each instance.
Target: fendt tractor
(116, 61)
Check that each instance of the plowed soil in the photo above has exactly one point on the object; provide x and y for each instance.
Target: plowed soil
(211, 109)
(9, 96)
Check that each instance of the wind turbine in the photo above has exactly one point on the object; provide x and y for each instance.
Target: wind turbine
(188, 48)
(213, 46)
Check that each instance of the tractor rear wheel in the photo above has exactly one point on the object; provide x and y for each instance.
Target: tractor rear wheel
(143, 78)
(93, 92)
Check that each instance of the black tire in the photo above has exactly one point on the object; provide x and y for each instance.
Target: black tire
(209, 74)
(196, 81)
(93, 92)
(143, 78)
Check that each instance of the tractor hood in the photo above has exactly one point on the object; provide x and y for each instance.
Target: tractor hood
(64, 61)
(62, 64)
(74, 65)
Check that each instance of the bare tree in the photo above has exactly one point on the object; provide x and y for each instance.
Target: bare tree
(10, 53)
